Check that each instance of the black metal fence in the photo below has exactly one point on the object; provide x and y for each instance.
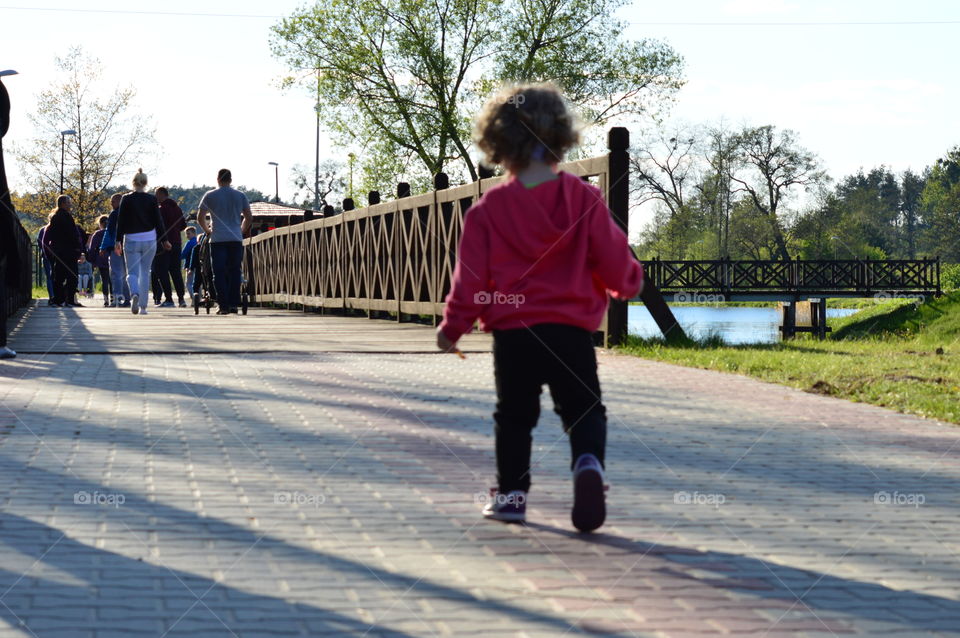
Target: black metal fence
(823, 277)
(20, 295)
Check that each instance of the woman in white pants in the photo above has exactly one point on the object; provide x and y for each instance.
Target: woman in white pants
(138, 226)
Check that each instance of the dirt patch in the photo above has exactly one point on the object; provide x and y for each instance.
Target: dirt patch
(822, 387)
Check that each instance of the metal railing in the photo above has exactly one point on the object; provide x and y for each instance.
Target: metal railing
(822, 277)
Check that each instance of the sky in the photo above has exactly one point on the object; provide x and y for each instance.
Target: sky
(862, 82)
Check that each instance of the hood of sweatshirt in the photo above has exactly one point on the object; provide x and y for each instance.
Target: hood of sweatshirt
(535, 220)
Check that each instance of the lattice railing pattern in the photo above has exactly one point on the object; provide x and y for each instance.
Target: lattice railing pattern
(396, 256)
(726, 276)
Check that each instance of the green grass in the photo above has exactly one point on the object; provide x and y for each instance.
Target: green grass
(894, 354)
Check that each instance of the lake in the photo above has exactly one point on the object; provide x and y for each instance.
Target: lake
(734, 324)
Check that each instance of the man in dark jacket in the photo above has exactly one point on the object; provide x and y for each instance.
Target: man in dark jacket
(166, 265)
(62, 242)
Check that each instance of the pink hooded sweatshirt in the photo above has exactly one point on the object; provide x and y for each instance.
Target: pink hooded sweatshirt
(548, 254)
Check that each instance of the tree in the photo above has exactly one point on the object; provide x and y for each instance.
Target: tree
(329, 184)
(776, 165)
(716, 187)
(666, 168)
(401, 78)
(941, 198)
(911, 187)
(110, 138)
(578, 45)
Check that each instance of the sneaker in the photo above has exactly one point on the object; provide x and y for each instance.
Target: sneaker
(223, 311)
(167, 304)
(589, 510)
(7, 353)
(135, 304)
(182, 303)
(74, 304)
(124, 304)
(50, 303)
(234, 310)
(143, 311)
(510, 507)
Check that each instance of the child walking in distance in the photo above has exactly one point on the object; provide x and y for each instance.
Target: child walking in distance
(539, 254)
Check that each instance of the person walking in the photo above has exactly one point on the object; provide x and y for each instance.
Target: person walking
(231, 218)
(99, 259)
(139, 228)
(47, 266)
(63, 246)
(166, 265)
(118, 266)
(538, 255)
(185, 257)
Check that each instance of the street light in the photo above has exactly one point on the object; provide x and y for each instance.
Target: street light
(351, 157)
(276, 181)
(63, 137)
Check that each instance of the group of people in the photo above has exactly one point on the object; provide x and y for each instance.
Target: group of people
(138, 248)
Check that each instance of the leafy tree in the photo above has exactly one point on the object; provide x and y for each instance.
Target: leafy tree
(911, 188)
(941, 198)
(775, 164)
(400, 79)
(111, 140)
(716, 186)
(579, 45)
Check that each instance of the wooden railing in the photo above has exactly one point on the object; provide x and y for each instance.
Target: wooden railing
(399, 256)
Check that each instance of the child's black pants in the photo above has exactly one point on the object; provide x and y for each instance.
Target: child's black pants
(524, 359)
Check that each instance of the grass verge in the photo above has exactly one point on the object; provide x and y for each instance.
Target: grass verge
(893, 354)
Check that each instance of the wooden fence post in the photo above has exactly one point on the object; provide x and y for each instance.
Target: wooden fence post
(403, 190)
(618, 199)
(440, 182)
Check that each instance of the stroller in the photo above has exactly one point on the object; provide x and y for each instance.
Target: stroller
(204, 292)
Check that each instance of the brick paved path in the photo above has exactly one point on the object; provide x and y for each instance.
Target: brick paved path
(334, 494)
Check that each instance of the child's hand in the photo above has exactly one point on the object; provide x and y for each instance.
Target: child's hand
(446, 345)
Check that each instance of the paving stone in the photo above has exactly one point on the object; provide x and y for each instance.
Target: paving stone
(335, 493)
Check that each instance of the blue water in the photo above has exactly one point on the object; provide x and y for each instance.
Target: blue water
(735, 325)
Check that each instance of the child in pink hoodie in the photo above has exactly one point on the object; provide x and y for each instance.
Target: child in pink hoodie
(539, 254)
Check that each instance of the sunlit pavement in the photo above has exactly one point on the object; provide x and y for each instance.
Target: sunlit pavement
(337, 494)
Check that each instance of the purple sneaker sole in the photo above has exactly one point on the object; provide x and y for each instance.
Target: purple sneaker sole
(589, 508)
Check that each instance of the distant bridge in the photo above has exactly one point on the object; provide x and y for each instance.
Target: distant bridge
(795, 280)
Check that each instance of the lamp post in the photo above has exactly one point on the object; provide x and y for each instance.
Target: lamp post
(351, 157)
(276, 181)
(63, 138)
(316, 166)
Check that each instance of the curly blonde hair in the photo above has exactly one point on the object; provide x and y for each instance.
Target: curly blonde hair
(525, 122)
